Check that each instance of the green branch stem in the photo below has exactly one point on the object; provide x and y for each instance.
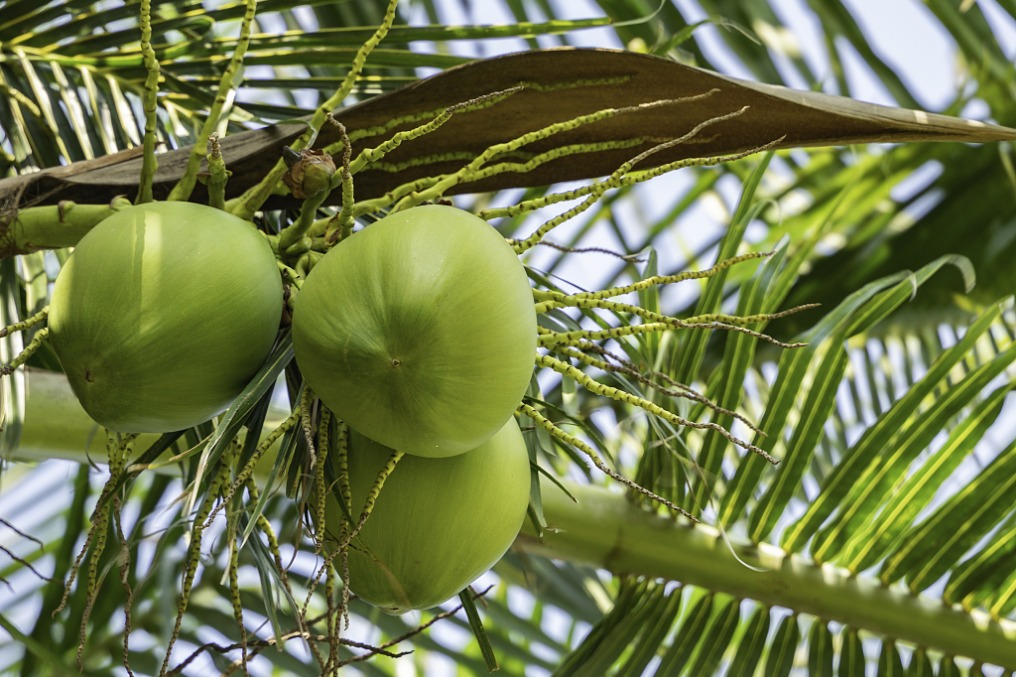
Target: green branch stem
(469, 171)
(630, 179)
(611, 363)
(368, 156)
(40, 337)
(248, 203)
(150, 102)
(605, 530)
(597, 388)
(547, 299)
(53, 227)
(227, 83)
(38, 318)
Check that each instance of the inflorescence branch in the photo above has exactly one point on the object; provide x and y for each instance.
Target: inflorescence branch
(604, 390)
(572, 441)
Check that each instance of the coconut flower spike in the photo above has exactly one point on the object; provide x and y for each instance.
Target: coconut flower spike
(562, 436)
(594, 386)
(27, 323)
(33, 346)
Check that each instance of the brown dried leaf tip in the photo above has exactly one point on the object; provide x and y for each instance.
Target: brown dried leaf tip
(310, 172)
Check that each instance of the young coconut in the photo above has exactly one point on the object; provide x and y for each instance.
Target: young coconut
(438, 523)
(163, 313)
(419, 331)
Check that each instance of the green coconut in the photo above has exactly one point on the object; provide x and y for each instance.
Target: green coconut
(163, 314)
(419, 331)
(438, 523)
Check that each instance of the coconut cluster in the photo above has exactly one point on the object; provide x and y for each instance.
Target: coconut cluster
(419, 332)
(163, 314)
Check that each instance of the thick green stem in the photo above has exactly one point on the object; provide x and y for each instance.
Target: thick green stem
(605, 530)
(52, 227)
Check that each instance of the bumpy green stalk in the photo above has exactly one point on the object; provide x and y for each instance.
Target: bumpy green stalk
(662, 323)
(545, 300)
(151, 105)
(629, 179)
(233, 572)
(26, 323)
(369, 156)
(230, 76)
(397, 121)
(614, 363)
(572, 441)
(465, 174)
(307, 424)
(192, 560)
(229, 459)
(252, 199)
(602, 389)
(616, 177)
(606, 530)
(345, 498)
(372, 495)
(705, 321)
(554, 338)
(124, 563)
(98, 532)
(343, 221)
(248, 470)
(725, 318)
(23, 357)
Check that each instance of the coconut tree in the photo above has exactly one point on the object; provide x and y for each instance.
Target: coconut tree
(768, 440)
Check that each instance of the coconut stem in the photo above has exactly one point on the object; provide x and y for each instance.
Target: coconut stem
(604, 390)
(669, 388)
(36, 343)
(227, 83)
(629, 179)
(549, 299)
(571, 440)
(151, 105)
(248, 203)
(617, 176)
(26, 323)
(468, 172)
(344, 219)
(370, 156)
(54, 226)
